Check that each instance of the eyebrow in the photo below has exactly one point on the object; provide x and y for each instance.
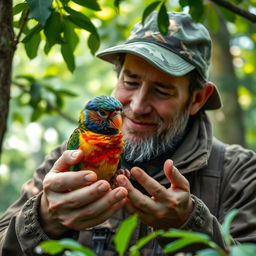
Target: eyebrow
(159, 84)
(130, 74)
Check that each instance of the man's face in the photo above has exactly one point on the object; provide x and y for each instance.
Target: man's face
(155, 103)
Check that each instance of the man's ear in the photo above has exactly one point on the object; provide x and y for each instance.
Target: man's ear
(200, 96)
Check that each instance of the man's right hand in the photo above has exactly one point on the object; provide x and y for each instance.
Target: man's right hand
(76, 200)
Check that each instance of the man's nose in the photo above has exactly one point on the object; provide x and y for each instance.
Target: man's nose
(140, 103)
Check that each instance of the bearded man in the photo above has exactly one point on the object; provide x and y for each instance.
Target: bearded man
(181, 176)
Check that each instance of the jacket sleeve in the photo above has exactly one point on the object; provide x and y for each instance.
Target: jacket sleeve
(20, 231)
(238, 189)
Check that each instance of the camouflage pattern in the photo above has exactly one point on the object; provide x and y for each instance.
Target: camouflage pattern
(186, 46)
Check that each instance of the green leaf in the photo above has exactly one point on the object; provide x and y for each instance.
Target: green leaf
(181, 233)
(66, 93)
(19, 8)
(40, 9)
(225, 229)
(29, 78)
(243, 250)
(196, 9)
(31, 46)
(36, 114)
(35, 30)
(134, 250)
(183, 3)
(68, 56)
(93, 43)
(149, 9)
(213, 20)
(52, 30)
(178, 244)
(81, 20)
(35, 93)
(91, 4)
(163, 20)
(70, 35)
(53, 247)
(208, 252)
(124, 233)
(229, 15)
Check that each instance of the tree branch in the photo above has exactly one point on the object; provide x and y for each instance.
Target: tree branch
(22, 26)
(235, 9)
(56, 109)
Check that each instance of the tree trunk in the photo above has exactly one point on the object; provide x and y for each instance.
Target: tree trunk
(6, 57)
(228, 122)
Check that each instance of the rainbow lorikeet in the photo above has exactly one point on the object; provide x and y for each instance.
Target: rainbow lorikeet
(99, 136)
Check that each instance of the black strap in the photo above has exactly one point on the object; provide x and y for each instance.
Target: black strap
(99, 237)
(212, 175)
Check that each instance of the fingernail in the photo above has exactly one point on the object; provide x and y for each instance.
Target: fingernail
(136, 171)
(103, 187)
(74, 154)
(89, 177)
(121, 180)
(119, 195)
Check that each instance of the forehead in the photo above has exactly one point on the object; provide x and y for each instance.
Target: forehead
(136, 66)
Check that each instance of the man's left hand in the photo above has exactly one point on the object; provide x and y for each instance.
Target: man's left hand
(166, 208)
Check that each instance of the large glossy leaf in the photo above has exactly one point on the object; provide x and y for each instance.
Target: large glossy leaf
(91, 4)
(93, 43)
(69, 33)
(163, 20)
(196, 9)
(53, 29)
(226, 226)
(19, 8)
(124, 233)
(40, 9)
(208, 252)
(81, 20)
(149, 9)
(68, 56)
(33, 31)
(31, 46)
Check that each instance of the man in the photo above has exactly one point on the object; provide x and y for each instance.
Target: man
(181, 177)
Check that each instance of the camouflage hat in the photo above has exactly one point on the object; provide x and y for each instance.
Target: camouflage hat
(187, 46)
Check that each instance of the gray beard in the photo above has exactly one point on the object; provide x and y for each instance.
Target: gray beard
(164, 140)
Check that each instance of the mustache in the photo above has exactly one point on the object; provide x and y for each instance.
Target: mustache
(147, 119)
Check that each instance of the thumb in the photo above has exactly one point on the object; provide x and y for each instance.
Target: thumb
(68, 158)
(176, 179)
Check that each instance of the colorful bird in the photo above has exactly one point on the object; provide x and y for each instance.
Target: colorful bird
(99, 136)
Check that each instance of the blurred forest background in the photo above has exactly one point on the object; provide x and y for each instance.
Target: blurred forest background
(47, 92)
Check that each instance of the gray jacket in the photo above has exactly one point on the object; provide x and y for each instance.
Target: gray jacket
(219, 183)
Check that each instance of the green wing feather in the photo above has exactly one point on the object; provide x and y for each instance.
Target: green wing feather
(73, 144)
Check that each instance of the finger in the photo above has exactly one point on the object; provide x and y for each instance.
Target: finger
(78, 197)
(100, 210)
(176, 179)
(153, 187)
(66, 181)
(68, 158)
(138, 199)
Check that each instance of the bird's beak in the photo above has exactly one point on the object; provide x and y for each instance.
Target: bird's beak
(116, 122)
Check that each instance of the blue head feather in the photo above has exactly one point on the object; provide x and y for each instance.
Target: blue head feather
(107, 103)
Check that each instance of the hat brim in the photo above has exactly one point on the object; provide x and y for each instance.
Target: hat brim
(161, 58)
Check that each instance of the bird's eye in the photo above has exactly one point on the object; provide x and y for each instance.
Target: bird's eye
(102, 114)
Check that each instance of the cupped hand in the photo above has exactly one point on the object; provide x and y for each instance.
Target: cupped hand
(166, 207)
(76, 200)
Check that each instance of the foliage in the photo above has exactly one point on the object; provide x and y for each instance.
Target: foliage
(180, 238)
